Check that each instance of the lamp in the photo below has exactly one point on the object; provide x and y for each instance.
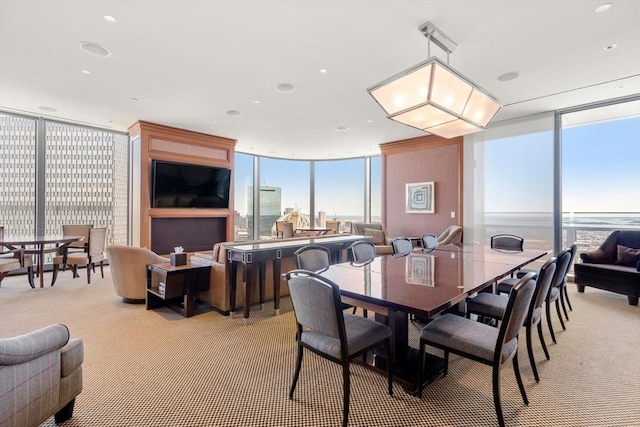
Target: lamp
(433, 97)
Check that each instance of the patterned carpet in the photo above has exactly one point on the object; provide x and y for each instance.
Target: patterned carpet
(156, 368)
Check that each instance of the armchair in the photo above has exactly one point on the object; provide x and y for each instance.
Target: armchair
(377, 233)
(129, 271)
(451, 235)
(40, 376)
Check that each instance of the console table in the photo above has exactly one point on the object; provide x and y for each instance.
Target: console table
(258, 254)
(176, 285)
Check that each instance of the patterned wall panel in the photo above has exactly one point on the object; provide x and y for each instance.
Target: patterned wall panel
(17, 175)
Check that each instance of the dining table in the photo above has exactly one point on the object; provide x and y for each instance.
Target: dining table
(39, 246)
(423, 284)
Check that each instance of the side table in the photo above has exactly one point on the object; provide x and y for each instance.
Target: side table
(175, 286)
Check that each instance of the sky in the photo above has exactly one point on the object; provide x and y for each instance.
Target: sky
(600, 173)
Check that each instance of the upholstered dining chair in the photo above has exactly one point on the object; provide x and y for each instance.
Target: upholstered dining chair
(362, 252)
(95, 254)
(493, 306)
(284, 229)
(324, 329)
(79, 245)
(480, 342)
(401, 245)
(429, 241)
(507, 242)
(333, 226)
(14, 259)
(313, 258)
(557, 282)
(128, 266)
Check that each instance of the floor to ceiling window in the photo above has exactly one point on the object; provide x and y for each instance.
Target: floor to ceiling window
(18, 175)
(84, 179)
(243, 199)
(339, 191)
(284, 189)
(600, 173)
(509, 184)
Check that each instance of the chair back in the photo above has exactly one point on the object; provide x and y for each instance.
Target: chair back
(562, 268)
(1, 232)
(316, 303)
(573, 249)
(507, 242)
(77, 230)
(313, 258)
(128, 266)
(97, 240)
(333, 226)
(401, 246)
(429, 241)
(362, 251)
(543, 283)
(514, 317)
(284, 229)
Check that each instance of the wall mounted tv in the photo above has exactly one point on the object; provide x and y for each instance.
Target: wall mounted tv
(179, 185)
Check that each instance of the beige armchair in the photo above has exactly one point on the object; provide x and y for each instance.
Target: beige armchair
(378, 235)
(129, 271)
(40, 376)
(451, 235)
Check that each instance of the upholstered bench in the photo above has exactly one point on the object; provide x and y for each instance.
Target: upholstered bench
(614, 266)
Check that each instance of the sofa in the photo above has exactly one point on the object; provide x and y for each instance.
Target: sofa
(129, 271)
(40, 376)
(377, 233)
(614, 266)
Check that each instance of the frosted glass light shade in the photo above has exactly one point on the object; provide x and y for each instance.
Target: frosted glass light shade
(433, 97)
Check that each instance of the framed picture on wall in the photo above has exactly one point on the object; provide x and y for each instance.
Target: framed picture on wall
(420, 197)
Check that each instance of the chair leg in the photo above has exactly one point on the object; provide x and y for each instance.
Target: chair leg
(544, 345)
(566, 297)
(390, 362)
(297, 372)
(102, 268)
(548, 312)
(89, 273)
(560, 315)
(531, 359)
(496, 395)
(30, 277)
(516, 370)
(55, 274)
(346, 390)
(564, 307)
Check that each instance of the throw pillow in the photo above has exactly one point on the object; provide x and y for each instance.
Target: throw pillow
(628, 256)
(377, 236)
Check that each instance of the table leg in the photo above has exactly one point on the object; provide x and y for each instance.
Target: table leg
(233, 280)
(188, 297)
(246, 283)
(261, 277)
(41, 264)
(276, 286)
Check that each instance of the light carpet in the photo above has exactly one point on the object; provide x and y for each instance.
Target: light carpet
(156, 368)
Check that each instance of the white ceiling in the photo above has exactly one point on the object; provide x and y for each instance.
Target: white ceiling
(189, 62)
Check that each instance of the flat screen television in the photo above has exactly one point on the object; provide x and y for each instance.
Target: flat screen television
(180, 185)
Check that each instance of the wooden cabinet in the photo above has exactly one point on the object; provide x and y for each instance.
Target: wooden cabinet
(195, 229)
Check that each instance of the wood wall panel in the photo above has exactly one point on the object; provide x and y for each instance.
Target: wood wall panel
(423, 159)
(151, 141)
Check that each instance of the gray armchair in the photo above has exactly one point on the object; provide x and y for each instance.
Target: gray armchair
(40, 376)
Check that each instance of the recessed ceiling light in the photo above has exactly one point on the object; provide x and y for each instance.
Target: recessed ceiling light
(134, 99)
(323, 70)
(511, 75)
(85, 71)
(256, 102)
(603, 7)
(285, 88)
(94, 49)
(369, 121)
(342, 128)
(611, 46)
(234, 113)
(109, 18)
(49, 109)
